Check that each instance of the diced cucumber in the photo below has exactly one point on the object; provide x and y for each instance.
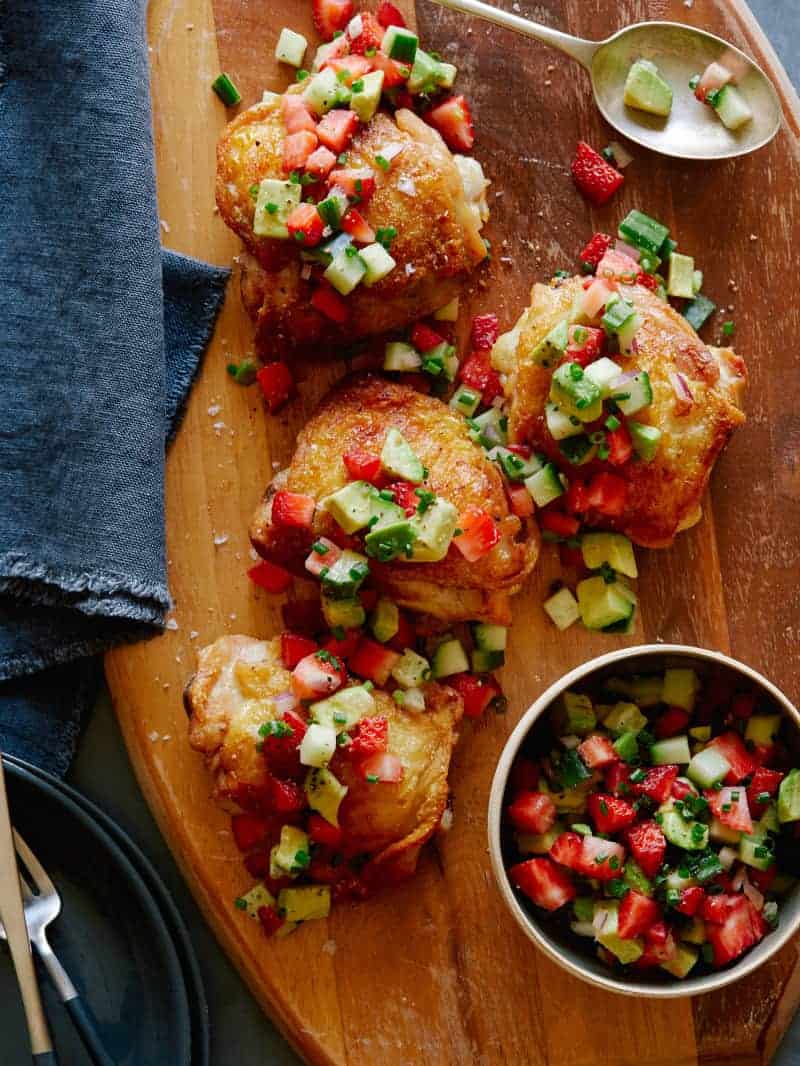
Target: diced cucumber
(627, 747)
(617, 314)
(384, 620)
(350, 506)
(574, 714)
(583, 908)
(424, 74)
(632, 394)
(324, 793)
(578, 450)
(698, 311)
(731, 107)
(643, 232)
(626, 625)
(545, 485)
(289, 857)
(602, 605)
(441, 360)
(683, 961)
(490, 428)
(448, 313)
(291, 47)
(402, 357)
(344, 708)
(446, 75)
(671, 750)
(647, 90)
(433, 531)
(562, 607)
(606, 924)
(400, 43)
(259, 896)
(399, 459)
(306, 903)
(627, 333)
(411, 669)
(366, 99)
(603, 372)
(756, 852)
(413, 699)
(465, 401)
(695, 933)
(697, 282)
(645, 440)
(560, 424)
(762, 728)
(490, 637)
(318, 745)
(612, 548)
(346, 271)
(682, 832)
(449, 658)
(708, 767)
(332, 210)
(633, 875)
(323, 91)
(572, 771)
(643, 689)
(514, 466)
(343, 613)
(275, 202)
(483, 662)
(789, 797)
(575, 393)
(539, 843)
(343, 578)
(680, 688)
(680, 281)
(552, 346)
(325, 253)
(677, 882)
(378, 263)
(625, 718)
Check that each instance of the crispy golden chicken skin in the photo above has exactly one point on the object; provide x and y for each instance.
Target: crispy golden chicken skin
(231, 696)
(664, 495)
(423, 197)
(356, 415)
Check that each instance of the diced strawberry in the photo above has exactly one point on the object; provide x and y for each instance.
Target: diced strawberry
(362, 466)
(597, 751)
(394, 72)
(388, 15)
(524, 776)
(619, 266)
(637, 913)
(648, 281)
(477, 372)
(607, 493)
(357, 226)
(305, 225)
(322, 832)
(566, 850)
(453, 119)
(249, 830)
(596, 179)
(359, 185)
(320, 163)
(595, 250)
(743, 928)
(276, 384)
(575, 498)
(371, 736)
(571, 556)
(620, 445)
(369, 598)
(294, 510)
(373, 661)
(350, 68)
(316, 677)
(370, 37)
(691, 900)
(618, 778)
(476, 692)
(330, 304)
(385, 767)
(405, 496)
(294, 648)
(336, 129)
(673, 721)
(609, 813)
(297, 147)
(424, 338)
(657, 933)
(764, 753)
(331, 15)
(281, 750)
(257, 864)
(345, 647)
(714, 77)
(764, 879)
(520, 500)
(717, 908)
(303, 616)
(656, 953)
(601, 858)
(763, 781)
(681, 789)
(562, 525)
(532, 812)
(287, 797)
(296, 116)
(270, 920)
(731, 746)
(743, 704)
(543, 882)
(730, 806)
(270, 576)
(319, 560)
(657, 783)
(484, 332)
(648, 845)
(598, 291)
(478, 535)
(585, 344)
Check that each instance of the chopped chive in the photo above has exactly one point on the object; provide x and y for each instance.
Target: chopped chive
(226, 90)
(612, 423)
(372, 778)
(382, 162)
(301, 75)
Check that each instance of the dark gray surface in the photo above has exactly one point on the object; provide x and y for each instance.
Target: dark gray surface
(241, 1034)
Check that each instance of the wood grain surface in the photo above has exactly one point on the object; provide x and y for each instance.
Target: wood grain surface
(436, 970)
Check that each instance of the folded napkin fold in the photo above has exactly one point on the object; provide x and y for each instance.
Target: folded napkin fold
(101, 335)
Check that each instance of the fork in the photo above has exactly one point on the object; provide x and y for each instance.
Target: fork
(41, 907)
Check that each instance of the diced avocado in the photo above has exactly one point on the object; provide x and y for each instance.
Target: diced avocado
(698, 311)
(324, 91)
(400, 43)
(259, 896)
(625, 718)
(465, 401)
(448, 313)
(602, 605)
(304, 903)
(606, 923)
(562, 607)
(708, 767)
(275, 202)
(789, 797)
(411, 669)
(490, 428)
(632, 875)
(402, 357)
(344, 708)
(672, 750)
(612, 548)
(646, 89)
(756, 852)
(644, 689)
(483, 662)
(645, 440)
(291, 855)
(627, 746)
(575, 393)
(346, 270)
(377, 261)
(578, 450)
(617, 315)
(573, 801)
(539, 844)
(633, 394)
(391, 540)
(683, 833)
(680, 281)
(449, 658)
(572, 771)
(324, 793)
(683, 960)
(384, 620)
(731, 107)
(343, 578)
(399, 459)
(434, 530)
(318, 745)
(545, 485)
(514, 466)
(769, 821)
(574, 714)
(644, 232)
(350, 506)
(762, 728)
(291, 47)
(560, 424)
(603, 372)
(680, 688)
(723, 834)
(347, 613)
(552, 346)
(701, 733)
(695, 933)
(424, 72)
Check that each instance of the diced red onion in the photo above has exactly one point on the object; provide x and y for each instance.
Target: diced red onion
(738, 879)
(627, 249)
(285, 701)
(600, 919)
(392, 150)
(582, 928)
(622, 157)
(755, 897)
(727, 857)
(355, 27)
(569, 742)
(680, 386)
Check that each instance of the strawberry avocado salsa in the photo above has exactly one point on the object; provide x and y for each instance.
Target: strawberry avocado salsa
(656, 818)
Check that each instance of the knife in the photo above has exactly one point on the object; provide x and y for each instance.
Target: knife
(13, 917)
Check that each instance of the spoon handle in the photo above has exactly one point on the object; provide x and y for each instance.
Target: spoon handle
(575, 47)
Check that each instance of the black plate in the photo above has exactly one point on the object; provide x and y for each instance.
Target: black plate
(119, 937)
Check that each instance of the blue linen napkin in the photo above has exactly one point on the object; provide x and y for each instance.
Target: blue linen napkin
(100, 338)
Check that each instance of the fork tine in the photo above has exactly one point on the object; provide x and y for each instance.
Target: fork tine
(35, 868)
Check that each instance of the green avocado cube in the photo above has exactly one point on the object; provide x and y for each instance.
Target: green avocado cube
(646, 90)
(275, 202)
(351, 506)
(399, 459)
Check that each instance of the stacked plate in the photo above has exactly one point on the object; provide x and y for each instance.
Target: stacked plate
(119, 936)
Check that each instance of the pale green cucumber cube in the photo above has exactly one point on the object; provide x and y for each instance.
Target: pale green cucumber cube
(275, 202)
(612, 548)
(291, 47)
(366, 99)
(562, 607)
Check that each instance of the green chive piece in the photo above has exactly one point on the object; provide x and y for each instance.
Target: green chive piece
(226, 90)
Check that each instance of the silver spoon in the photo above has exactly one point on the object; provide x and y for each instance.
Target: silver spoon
(692, 130)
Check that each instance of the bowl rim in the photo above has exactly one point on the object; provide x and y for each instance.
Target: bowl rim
(690, 986)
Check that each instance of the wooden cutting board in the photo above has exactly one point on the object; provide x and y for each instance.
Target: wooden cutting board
(436, 969)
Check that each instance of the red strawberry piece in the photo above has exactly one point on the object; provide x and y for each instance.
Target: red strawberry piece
(763, 781)
(370, 737)
(617, 265)
(405, 496)
(673, 721)
(323, 554)
(566, 850)
(336, 129)
(424, 338)
(479, 534)
(595, 250)
(270, 920)
(322, 832)
(477, 372)
(330, 16)
(657, 783)
(729, 804)
(576, 500)
(520, 500)
(384, 768)
(345, 647)
(585, 344)
(373, 661)
(297, 147)
(295, 114)
(597, 751)
(281, 749)
(546, 884)
(286, 797)
(294, 648)
(603, 859)
(453, 119)
(743, 704)
(648, 281)
(362, 466)
(249, 830)
(357, 226)
(330, 304)
(270, 576)
(316, 677)
(524, 776)
(596, 179)
(619, 444)
(607, 493)
(294, 510)
(562, 525)
(691, 900)
(743, 927)
(648, 845)
(484, 332)
(276, 384)
(476, 692)
(763, 879)
(657, 933)
(618, 778)
(388, 15)
(358, 184)
(405, 635)
(656, 953)
(370, 37)
(394, 72)
(305, 224)
(731, 746)
(609, 813)
(717, 908)
(349, 67)
(257, 864)
(532, 812)
(637, 913)
(680, 790)
(319, 165)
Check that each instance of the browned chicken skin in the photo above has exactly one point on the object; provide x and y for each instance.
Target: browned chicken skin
(357, 415)
(664, 495)
(423, 197)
